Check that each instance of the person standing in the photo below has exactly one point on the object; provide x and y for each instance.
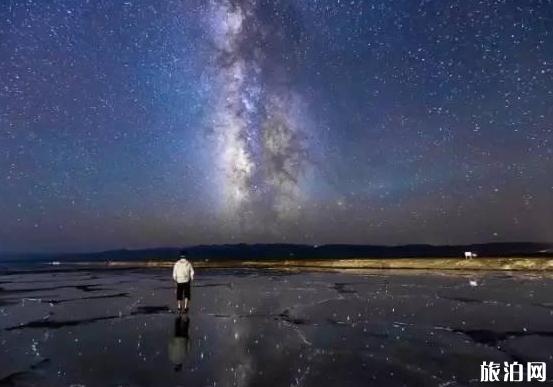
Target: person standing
(183, 274)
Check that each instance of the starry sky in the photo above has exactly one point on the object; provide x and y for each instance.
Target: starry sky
(131, 124)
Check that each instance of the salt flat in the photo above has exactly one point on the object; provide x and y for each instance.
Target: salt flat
(97, 327)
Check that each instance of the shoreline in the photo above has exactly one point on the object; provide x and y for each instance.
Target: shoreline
(484, 264)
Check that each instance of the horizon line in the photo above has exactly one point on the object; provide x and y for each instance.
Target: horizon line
(314, 245)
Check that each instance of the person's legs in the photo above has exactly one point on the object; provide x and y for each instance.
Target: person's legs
(180, 288)
(186, 295)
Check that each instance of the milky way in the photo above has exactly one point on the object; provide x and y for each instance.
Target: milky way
(165, 123)
(259, 138)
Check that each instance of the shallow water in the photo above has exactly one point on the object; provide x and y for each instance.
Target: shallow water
(99, 327)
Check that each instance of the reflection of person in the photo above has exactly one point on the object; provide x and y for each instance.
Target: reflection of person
(179, 345)
(183, 274)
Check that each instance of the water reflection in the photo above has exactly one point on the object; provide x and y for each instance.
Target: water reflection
(179, 344)
(309, 329)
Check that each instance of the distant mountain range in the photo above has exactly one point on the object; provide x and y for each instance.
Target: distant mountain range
(299, 251)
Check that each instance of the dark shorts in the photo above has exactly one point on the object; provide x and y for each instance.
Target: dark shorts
(183, 288)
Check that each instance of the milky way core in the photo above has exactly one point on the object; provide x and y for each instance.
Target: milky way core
(258, 127)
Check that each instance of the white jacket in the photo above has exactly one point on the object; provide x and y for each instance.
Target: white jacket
(183, 271)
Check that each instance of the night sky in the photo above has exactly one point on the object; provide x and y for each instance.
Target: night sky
(130, 124)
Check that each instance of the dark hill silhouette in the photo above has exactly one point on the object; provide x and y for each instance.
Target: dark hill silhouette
(300, 251)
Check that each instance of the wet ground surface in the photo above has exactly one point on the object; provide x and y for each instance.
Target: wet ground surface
(98, 327)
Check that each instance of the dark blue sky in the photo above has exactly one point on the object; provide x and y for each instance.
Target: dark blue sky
(147, 123)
